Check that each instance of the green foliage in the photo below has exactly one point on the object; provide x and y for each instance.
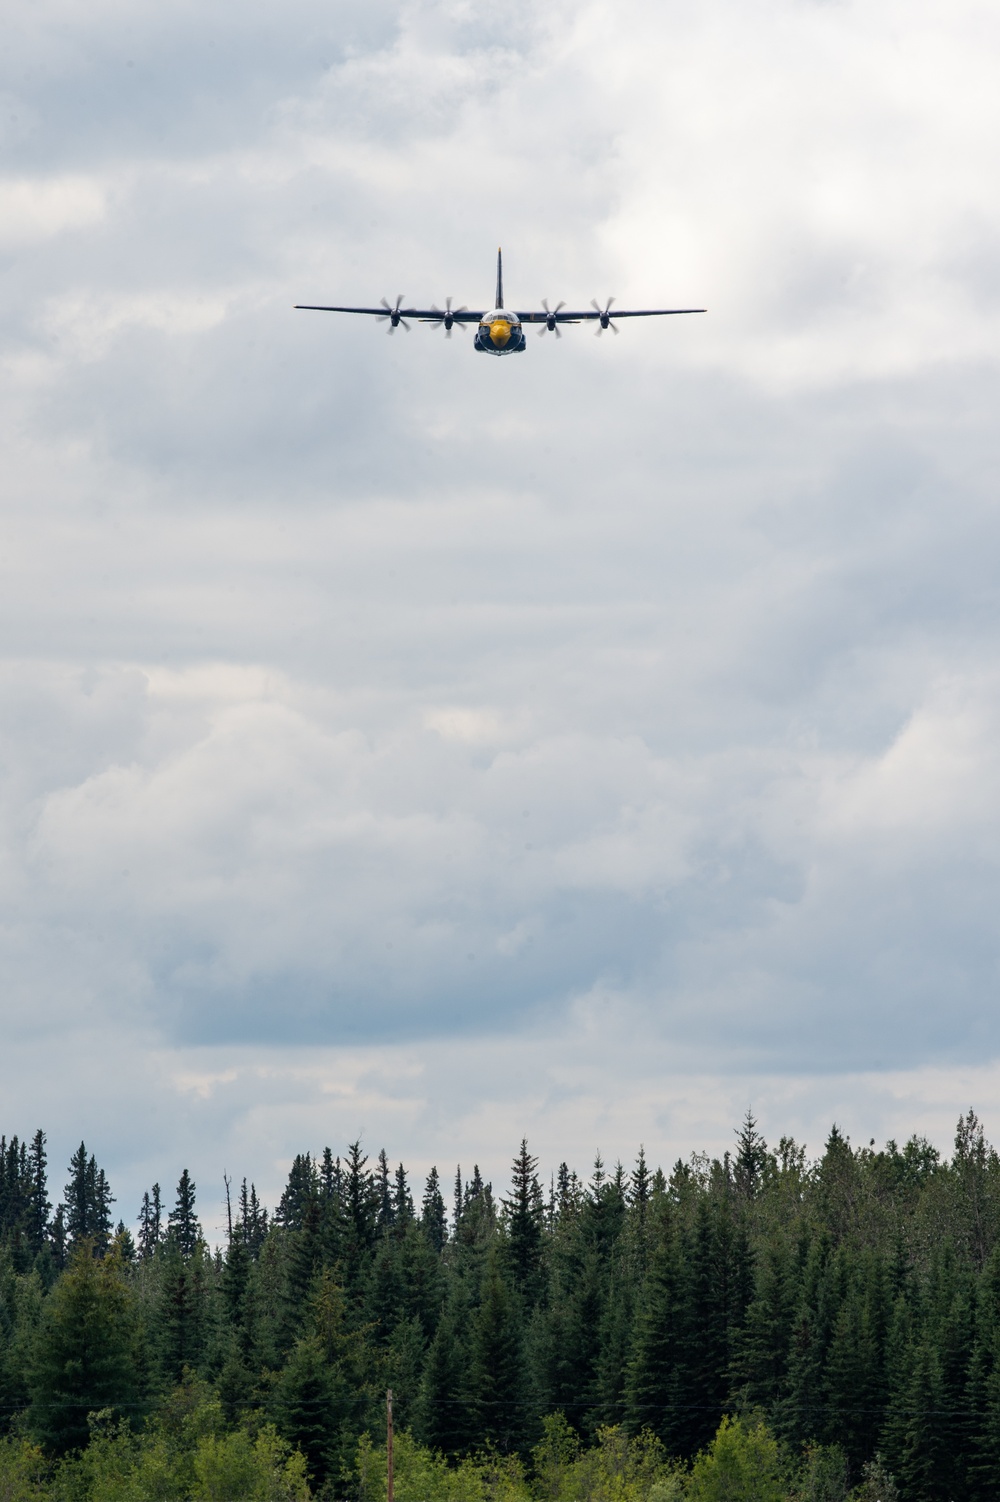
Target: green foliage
(840, 1310)
(85, 1355)
(239, 1468)
(618, 1468)
(497, 1387)
(22, 1471)
(823, 1475)
(742, 1464)
(877, 1485)
(184, 1454)
(422, 1476)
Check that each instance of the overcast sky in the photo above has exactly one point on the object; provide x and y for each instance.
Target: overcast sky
(438, 749)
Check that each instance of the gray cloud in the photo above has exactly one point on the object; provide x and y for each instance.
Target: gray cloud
(357, 689)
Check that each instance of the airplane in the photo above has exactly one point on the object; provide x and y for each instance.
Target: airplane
(500, 331)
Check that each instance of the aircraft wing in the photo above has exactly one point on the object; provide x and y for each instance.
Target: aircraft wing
(566, 316)
(426, 315)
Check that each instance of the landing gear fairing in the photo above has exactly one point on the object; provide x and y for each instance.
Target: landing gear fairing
(500, 331)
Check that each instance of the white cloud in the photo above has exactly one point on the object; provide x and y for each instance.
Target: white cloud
(37, 209)
(642, 688)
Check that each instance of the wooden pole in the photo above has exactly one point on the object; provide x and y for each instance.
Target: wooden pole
(388, 1447)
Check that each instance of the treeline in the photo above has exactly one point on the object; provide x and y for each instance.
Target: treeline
(844, 1311)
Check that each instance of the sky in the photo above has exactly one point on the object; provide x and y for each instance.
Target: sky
(438, 750)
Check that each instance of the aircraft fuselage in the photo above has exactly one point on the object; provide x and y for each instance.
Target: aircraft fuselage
(499, 333)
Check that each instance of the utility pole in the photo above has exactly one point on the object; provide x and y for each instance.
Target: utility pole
(388, 1447)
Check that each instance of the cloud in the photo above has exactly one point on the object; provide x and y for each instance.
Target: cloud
(32, 210)
(638, 689)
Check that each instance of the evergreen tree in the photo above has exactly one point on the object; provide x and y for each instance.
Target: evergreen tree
(88, 1203)
(182, 1312)
(301, 1190)
(235, 1286)
(85, 1355)
(523, 1216)
(402, 1200)
(150, 1223)
(974, 1169)
(58, 1237)
(442, 1419)
(252, 1220)
(39, 1205)
(923, 1461)
(304, 1259)
(360, 1204)
(496, 1378)
(386, 1206)
(102, 1200)
(432, 1212)
(182, 1221)
(640, 1186)
(308, 1408)
(656, 1395)
(763, 1346)
(751, 1158)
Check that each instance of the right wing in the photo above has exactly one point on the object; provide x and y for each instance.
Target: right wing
(567, 316)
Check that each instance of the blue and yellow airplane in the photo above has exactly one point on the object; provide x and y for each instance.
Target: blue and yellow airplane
(500, 331)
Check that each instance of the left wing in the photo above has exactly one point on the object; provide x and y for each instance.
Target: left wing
(423, 315)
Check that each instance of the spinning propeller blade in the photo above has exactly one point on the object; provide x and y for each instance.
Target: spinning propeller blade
(605, 315)
(550, 325)
(393, 315)
(447, 319)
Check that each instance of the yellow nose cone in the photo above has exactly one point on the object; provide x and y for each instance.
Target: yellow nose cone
(499, 332)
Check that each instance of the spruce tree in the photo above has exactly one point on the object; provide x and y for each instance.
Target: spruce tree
(182, 1309)
(402, 1200)
(497, 1378)
(252, 1220)
(39, 1205)
(751, 1158)
(523, 1217)
(640, 1185)
(85, 1355)
(386, 1218)
(302, 1188)
(764, 1344)
(102, 1200)
(58, 1237)
(79, 1210)
(150, 1223)
(360, 1210)
(923, 1461)
(433, 1218)
(307, 1406)
(304, 1259)
(88, 1203)
(235, 1284)
(442, 1420)
(182, 1221)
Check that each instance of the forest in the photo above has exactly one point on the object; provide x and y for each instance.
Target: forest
(757, 1326)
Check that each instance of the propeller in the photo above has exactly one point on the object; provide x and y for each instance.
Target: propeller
(447, 319)
(550, 326)
(605, 315)
(393, 315)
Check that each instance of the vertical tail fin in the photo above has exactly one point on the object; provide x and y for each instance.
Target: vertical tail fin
(499, 301)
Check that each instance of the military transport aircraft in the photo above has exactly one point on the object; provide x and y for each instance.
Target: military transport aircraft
(499, 332)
